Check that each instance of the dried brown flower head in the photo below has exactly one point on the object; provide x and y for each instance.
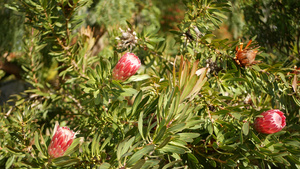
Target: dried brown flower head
(246, 56)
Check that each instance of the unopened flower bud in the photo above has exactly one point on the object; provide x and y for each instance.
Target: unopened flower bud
(127, 66)
(272, 121)
(61, 141)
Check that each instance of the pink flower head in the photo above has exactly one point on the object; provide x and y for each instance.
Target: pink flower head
(61, 141)
(272, 122)
(127, 66)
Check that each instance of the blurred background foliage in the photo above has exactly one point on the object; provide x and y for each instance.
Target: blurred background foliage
(189, 106)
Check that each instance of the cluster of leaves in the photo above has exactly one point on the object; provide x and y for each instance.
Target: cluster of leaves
(189, 106)
(275, 23)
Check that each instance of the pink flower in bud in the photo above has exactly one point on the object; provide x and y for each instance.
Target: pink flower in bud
(127, 66)
(61, 141)
(272, 121)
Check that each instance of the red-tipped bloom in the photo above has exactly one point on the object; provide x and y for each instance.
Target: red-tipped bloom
(272, 122)
(60, 142)
(127, 66)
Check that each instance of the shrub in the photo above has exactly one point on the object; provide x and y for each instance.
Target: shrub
(189, 105)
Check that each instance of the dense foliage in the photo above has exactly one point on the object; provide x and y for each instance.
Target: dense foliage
(190, 105)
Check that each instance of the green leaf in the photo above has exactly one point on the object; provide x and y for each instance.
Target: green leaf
(139, 164)
(91, 74)
(37, 143)
(188, 88)
(139, 154)
(65, 161)
(188, 137)
(177, 127)
(160, 134)
(129, 24)
(95, 145)
(140, 125)
(150, 46)
(87, 89)
(293, 159)
(296, 100)
(156, 39)
(11, 7)
(257, 140)
(165, 142)
(208, 36)
(279, 154)
(213, 163)
(128, 92)
(72, 147)
(283, 79)
(192, 158)
(151, 163)
(241, 137)
(14, 151)
(236, 79)
(245, 128)
(220, 15)
(107, 140)
(94, 142)
(99, 72)
(137, 101)
(124, 147)
(197, 87)
(97, 97)
(293, 143)
(58, 24)
(231, 163)
(183, 73)
(9, 162)
(210, 128)
(169, 165)
(173, 149)
(136, 78)
(105, 166)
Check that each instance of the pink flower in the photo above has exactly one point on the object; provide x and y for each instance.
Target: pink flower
(60, 142)
(127, 66)
(272, 122)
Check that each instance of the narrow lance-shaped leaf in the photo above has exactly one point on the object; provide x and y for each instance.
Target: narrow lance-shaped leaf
(140, 125)
(139, 154)
(37, 143)
(65, 161)
(201, 81)
(188, 88)
(73, 146)
(184, 75)
(107, 140)
(160, 134)
(245, 128)
(137, 101)
(124, 147)
(283, 79)
(9, 162)
(94, 142)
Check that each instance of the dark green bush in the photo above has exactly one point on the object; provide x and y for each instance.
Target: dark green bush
(190, 105)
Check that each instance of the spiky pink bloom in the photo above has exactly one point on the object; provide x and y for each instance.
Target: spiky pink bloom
(61, 141)
(127, 66)
(272, 122)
